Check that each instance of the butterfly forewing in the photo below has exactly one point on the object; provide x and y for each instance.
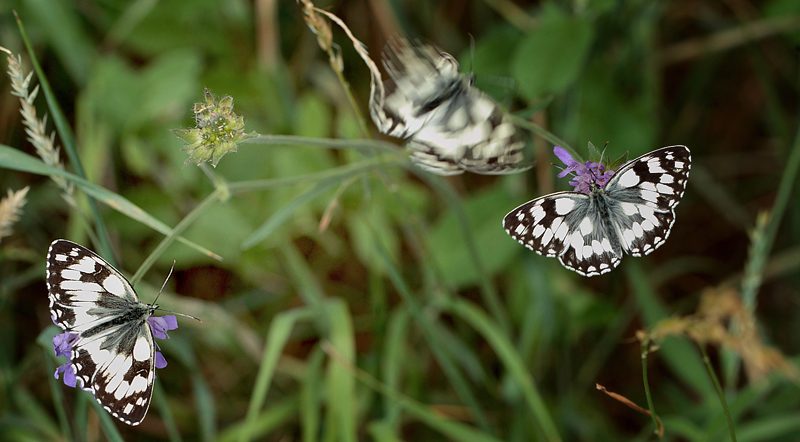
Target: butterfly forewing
(642, 196)
(633, 213)
(449, 125)
(113, 357)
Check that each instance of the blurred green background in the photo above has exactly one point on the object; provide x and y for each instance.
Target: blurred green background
(356, 300)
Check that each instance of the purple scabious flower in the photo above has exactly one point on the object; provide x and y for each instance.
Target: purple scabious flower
(586, 174)
(62, 345)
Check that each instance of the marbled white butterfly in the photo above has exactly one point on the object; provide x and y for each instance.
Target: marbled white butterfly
(449, 125)
(588, 232)
(106, 333)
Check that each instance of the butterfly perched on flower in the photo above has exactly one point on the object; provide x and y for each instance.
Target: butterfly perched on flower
(108, 332)
(630, 210)
(449, 126)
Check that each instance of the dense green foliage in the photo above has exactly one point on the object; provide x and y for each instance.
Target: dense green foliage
(358, 298)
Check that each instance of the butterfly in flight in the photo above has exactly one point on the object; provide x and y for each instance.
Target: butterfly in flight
(631, 211)
(449, 126)
(106, 333)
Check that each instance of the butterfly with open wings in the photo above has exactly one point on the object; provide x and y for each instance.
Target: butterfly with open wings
(108, 332)
(631, 211)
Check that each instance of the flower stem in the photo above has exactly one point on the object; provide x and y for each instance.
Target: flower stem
(718, 387)
(650, 406)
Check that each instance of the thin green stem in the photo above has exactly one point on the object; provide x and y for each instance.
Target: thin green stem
(718, 387)
(179, 228)
(650, 405)
(762, 244)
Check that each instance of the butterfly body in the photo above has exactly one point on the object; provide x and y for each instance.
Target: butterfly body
(448, 125)
(633, 213)
(113, 356)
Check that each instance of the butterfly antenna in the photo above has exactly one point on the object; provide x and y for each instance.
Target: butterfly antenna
(162, 289)
(165, 282)
(471, 58)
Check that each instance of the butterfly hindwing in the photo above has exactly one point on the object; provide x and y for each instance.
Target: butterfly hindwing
(113, 356)
(633, 213)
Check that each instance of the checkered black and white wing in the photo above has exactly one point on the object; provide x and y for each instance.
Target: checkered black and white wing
(642, 196)
(449, 125)
(114, 354)
(632, 214)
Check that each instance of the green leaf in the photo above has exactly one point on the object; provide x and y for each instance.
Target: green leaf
(449, 252)
(551, 56)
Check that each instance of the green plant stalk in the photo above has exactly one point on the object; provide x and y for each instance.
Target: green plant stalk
(68, 139)
(759, 250)
(328, 143)
(58, 397)
(166, 414)
(176, 232)
(718, 387)
(547, 135)
(434, 340)
(277, 336)
(451, 428)
(511, 359)
(650, 405)
(338, 172)
(488, 290)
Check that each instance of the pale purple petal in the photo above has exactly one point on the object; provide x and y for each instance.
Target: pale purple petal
(62, 344)
(161, 324)
(563, 155)
(566, 158)
(161, 362)
(69, 374)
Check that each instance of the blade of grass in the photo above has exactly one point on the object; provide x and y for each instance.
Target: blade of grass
(718, 388)
(206, 408)
(278, 334)
(677, 353)
(429, 330)
(285, 213)
(273, 418)
(341, 396)
(488, 290)
(449, 428)
(511, 359)
(68, 140)
(311, 390)
(160, 398)
(13, 159)
(175, 232)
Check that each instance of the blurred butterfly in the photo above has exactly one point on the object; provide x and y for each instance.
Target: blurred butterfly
(448, 125)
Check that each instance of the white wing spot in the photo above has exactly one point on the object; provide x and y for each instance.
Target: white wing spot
(629, 179)
(139, 384)
(654, 165)
(564, 206)
(586, 226)
(86, 265)
(114, 285)
(141, 350)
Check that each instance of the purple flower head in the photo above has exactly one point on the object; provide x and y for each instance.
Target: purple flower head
(69, 374)
(586, 174)
(62, 344)
(161, 324)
